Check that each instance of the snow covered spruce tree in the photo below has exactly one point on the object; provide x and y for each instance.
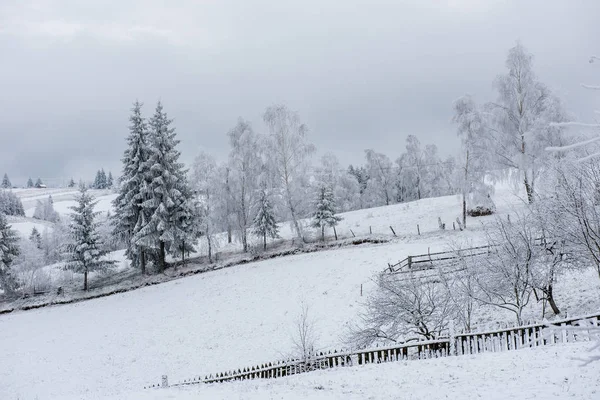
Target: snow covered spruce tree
(170, 215)
(290, 154)
(9, 250)
(6, 182)
(29, 183)
(324, 214)
(100, 182)
(264, 221)
(129, 218)
(85, 252)
(244, 167)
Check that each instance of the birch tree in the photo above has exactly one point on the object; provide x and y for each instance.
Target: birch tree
(474, 153)
(517, 114)
(290, 155)
(245, 165)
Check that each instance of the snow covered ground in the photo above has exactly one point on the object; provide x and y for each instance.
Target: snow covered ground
(242, 316)
(540, 373)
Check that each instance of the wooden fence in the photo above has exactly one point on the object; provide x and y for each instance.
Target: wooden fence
(422, 262)
(514, 338)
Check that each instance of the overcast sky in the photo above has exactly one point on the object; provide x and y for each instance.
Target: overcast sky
(362, 74)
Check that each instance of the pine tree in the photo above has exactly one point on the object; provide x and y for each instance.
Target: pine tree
(6, 182)
(36, 238)
(325, 210)
(264, 221)
(29, 183)
(109, 180)
(9, 250)
(129, 218)
(86, 250)
(39, 183)
(71, 183)
(168, 205)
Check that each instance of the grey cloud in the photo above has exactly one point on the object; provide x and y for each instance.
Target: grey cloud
(362, 74)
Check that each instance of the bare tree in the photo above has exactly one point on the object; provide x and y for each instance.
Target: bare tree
(290, 156)
(504, 278)
(304, 338)
(402, 306)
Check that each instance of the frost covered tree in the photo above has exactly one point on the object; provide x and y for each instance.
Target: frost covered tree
(10, 204)
(401, 306)
(39, 183)
(265, 224)
(205, 183)
(167, 194)
(85, 250)
(324, 214)
(475, 157)
(9, 250)
(517, 116)
(290, 155)
(29, 183)
(71, 183)
(6, 182)
(244, 168)
(101, 181)
(344, 185)
(381, 182)
(35, 237)
(129, 217)
(504, 277)
(44, 210)
(587, 147)
(28, 265)
(109, 180)
(362, 179)
(416, 162)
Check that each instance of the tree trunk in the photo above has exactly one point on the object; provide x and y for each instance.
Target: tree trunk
(529, 190)
(85, 279)
(265, 241)
(161, 257)
(143, 261)
(323, 232)
(464, 191)
(464, 210)
(335, 232)
(551, 301)
(209, 247)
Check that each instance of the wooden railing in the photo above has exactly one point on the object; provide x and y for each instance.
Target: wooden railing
(454, 344)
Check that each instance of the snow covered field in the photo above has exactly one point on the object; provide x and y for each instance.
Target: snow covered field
(542, 373)
(245, 315)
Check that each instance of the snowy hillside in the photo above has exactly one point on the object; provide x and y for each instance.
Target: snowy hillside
(223, 319)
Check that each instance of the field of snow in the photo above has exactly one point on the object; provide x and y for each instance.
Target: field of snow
(63, 199)
(233, 317)
(541, 373)
(23, 226)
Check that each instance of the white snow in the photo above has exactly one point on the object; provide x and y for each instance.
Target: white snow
(541, 373)
(242, 316)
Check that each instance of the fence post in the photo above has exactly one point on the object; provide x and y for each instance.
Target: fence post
(165, 382)
(418, 230)
(409, 258)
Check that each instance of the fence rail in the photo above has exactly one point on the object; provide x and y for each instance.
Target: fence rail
(422, 262)
(505, 339)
